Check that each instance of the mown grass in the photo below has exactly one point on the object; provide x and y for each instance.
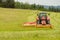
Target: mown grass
(11, 25)
(13, 19)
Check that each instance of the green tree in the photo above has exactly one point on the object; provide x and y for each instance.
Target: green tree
(9, 4)
(17, 5)
(33, 6)
(26, 6)
(0, 1)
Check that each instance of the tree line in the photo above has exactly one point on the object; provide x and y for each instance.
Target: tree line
(20, 5)
(7, 3)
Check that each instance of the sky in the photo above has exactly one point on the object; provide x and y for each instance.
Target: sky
(42, 2)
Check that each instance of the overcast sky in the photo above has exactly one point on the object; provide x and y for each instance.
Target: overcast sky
(42, 2)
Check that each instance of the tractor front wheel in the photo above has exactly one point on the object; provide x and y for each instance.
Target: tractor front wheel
(48, 21)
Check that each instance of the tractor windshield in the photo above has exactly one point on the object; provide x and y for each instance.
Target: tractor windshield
(42, 14)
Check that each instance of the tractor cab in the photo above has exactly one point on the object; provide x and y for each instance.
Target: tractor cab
(42, 14)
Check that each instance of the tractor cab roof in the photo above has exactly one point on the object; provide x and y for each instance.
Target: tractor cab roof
(42, 13)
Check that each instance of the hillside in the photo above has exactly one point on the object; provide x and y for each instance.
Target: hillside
(11, 25)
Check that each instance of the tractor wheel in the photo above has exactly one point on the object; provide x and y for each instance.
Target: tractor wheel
(38, 22)
(48, 21)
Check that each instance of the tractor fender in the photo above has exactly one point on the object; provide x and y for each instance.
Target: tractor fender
(48, 18)
(37, 18)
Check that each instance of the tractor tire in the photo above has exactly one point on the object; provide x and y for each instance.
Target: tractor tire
(48, 21)
(38, 22)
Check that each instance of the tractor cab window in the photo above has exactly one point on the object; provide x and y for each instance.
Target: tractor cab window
(42, 14)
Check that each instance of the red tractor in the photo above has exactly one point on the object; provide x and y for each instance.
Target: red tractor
(42, 21)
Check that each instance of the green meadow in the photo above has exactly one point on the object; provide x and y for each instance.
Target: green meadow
(12, 20)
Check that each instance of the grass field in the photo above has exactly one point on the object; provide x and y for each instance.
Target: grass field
(11, 25)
